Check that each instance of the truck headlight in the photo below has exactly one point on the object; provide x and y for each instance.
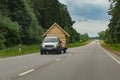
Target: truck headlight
(43, 45)
(56, 45)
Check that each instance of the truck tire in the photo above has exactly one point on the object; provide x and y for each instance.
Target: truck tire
(60, 52)
(42, 52)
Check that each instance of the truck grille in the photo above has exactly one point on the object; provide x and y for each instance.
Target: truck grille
(49, 46)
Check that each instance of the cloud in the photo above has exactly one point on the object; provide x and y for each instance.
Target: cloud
(62, 1)
(92, 27)
(89, 12)
(87, 9)
(90, 15)
(80, 3)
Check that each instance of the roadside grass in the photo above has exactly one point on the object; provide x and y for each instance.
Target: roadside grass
(79, 44)
(25, 49)
(14, 51)
(112, 47)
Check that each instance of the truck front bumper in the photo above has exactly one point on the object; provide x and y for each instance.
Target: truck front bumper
(49, 49)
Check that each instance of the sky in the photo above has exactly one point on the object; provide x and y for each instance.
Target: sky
(90, 15)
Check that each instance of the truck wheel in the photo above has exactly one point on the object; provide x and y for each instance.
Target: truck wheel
(45, 52)
(42, 52)
(60, 52)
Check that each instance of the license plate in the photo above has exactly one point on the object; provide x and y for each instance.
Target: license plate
(49, 48)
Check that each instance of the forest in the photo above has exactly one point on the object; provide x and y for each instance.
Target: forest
(112, 34)
(24, 21)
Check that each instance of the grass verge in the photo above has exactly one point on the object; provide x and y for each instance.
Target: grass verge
(115, 48)
(14, 51)
(79, 44)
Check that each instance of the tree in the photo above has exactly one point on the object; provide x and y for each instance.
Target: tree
(50, 11)
(24, 21)
(65, 16)
(21, 12)
(47, 12)
(101, 35)
(114, 25)
(2, 38)
(9, 35)
(84, 37)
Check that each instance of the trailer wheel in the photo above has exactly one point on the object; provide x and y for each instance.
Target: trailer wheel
(64, 51)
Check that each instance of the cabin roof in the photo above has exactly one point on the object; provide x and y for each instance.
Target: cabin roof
(56, 25)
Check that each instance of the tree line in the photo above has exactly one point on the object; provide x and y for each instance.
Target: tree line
(112, 34)
(24, 21)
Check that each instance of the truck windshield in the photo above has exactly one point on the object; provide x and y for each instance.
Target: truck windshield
(50, 40)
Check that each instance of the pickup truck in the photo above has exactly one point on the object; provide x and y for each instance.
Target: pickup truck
(51, 44)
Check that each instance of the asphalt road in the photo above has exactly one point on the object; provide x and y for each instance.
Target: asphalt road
(90, 62)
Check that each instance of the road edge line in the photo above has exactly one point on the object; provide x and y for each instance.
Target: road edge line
(110, 55)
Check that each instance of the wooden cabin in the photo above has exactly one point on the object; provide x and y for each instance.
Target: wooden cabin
(56, 30)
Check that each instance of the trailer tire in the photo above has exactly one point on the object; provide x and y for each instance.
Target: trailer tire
(64, 51)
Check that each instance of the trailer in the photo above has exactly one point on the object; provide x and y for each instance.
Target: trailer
(56, 30)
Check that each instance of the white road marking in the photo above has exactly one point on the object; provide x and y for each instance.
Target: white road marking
(112, 57)
(58, 59)
(24, 73)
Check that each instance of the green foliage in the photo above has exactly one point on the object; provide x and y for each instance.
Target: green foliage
(20, 11)
(47, 12)
(113, 32)
(78, 44)
(113, 47)
(9, 32)
(65, 19)
(2, 40)
(101, 35)
(3, 7)
(14, 51)
(84, 37)
(74, 36)
(21, 21)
